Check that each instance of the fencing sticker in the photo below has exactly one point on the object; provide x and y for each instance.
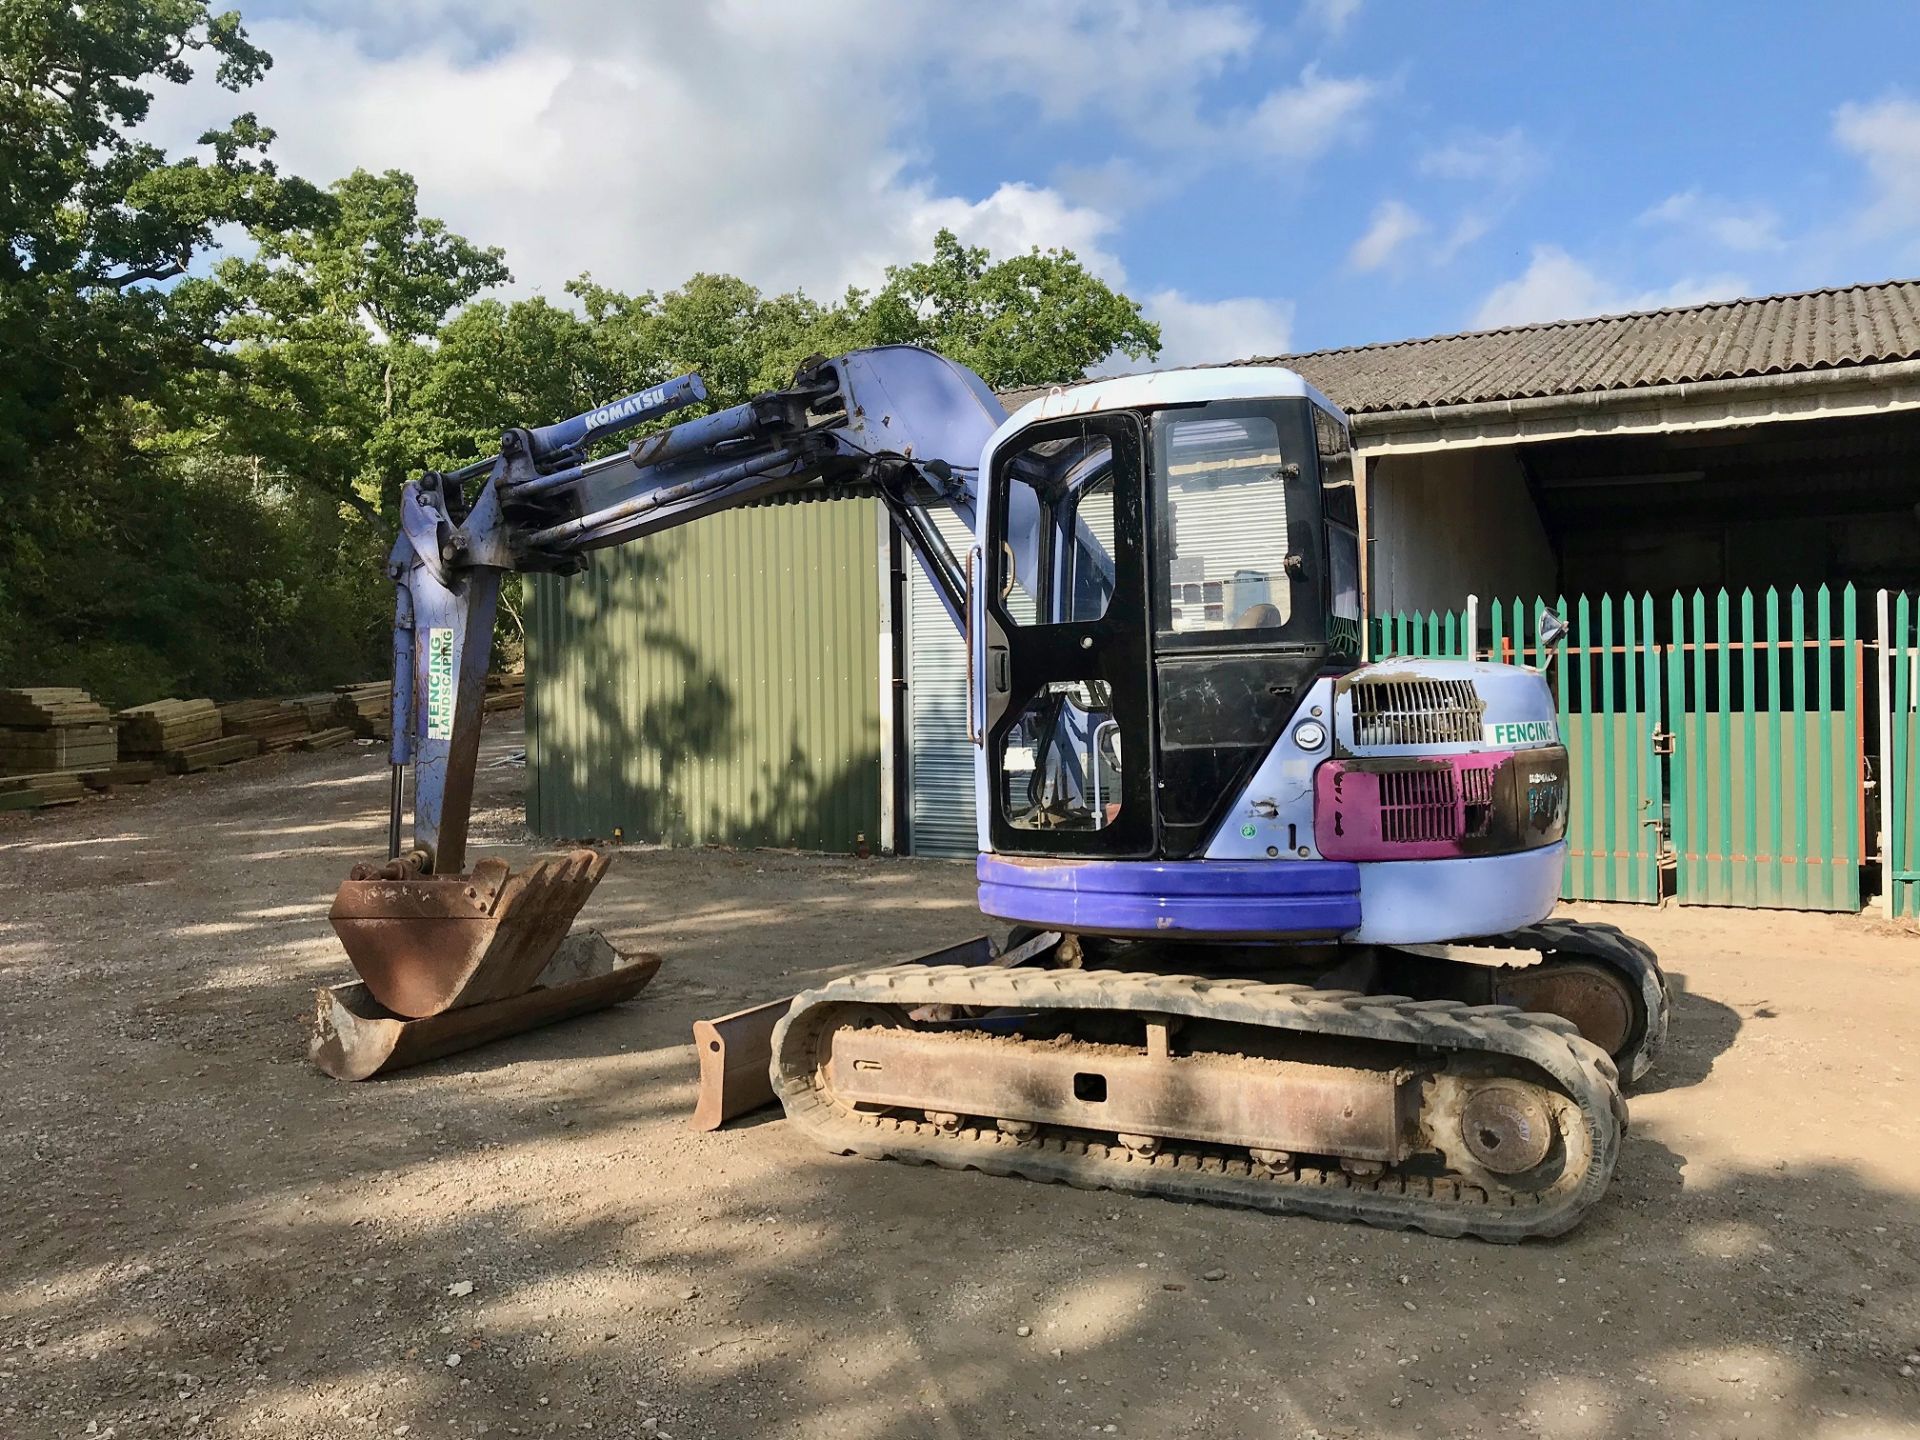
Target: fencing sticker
(1523, 732)
(439, 684)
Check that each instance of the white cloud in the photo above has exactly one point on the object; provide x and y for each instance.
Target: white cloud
(1886, 136)
(1507, 159)
(1469, 227)
(643, 144)
(1201, 332)
(1304, 121)
(1015, 219)
(1394, 223)
(639, 146)
(1145, 64)
(1332, 16)
(1555, 286)
(1726, 224)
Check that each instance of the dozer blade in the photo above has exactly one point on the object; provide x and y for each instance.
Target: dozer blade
(736, 1056)
(736, 1051)
(355, 1037)
(433, 943)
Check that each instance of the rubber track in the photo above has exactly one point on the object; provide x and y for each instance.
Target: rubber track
(1612, 947)
(1440, 1206)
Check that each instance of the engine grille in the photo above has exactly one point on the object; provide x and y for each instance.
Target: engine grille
(1415, 712)
(1418, 806)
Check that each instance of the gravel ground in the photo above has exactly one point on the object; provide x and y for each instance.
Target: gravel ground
(206, 1237)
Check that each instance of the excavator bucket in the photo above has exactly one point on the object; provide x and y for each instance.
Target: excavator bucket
(431, 943)
(355, 1037)
(448, 962)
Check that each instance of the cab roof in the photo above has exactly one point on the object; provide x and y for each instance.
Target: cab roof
(1165, 387)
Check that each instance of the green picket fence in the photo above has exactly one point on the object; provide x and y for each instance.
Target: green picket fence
(1766, 772)
(1606, 673)
(1738, 731)
(1436, 635)
(1900, 818)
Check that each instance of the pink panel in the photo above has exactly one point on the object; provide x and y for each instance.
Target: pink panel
(1429, 811)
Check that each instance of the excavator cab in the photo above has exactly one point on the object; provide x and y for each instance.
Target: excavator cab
(1162, 585)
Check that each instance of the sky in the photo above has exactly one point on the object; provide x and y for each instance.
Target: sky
(1263, 178)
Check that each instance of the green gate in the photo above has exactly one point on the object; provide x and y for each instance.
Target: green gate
(1766, 768)
(1606, 672)
(1436, 635)
(1900, 749)
(1739, 731)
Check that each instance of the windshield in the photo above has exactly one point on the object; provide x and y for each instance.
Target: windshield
(1239, 518)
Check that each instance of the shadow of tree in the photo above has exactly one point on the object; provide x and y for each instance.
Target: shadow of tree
(635, 725)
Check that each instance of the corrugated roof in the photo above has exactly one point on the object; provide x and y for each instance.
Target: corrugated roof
(1723, 340)
(1729, 339)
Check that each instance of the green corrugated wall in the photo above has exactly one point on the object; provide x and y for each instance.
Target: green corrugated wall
(716, 684)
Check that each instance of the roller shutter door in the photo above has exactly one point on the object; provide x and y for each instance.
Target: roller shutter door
(940, 815)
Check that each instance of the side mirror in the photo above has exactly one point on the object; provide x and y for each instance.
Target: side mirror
(1552, 627)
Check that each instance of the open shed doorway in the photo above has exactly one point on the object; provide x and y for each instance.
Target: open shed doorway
(1717, 683)
(1806, 503)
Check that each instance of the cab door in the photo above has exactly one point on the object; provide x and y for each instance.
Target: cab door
(1068, 682)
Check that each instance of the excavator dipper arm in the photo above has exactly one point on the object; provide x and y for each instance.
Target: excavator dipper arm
(896, 421)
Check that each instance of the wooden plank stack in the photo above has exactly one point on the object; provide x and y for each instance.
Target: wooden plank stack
(325, 739)
(366, 709)
(506, 690)
(31, 792)
(317, 709)
(53, 728)
(222, 750)
(277, 724)
(127, 772)
(164, 729)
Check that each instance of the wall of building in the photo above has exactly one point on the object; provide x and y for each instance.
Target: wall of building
(1453, 523)
(714, 684)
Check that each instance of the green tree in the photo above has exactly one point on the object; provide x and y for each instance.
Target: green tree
(95, 217)
(1036, 319)
(106, 537)
(329, 327)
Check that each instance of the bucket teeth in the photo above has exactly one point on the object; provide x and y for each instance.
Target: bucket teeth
(439, 942)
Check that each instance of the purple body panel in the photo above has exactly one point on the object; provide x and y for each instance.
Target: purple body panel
(1225, 899)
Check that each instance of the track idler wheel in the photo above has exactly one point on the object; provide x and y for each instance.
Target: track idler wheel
(424, 944)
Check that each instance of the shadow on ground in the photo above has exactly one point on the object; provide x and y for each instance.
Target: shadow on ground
(207, 1237)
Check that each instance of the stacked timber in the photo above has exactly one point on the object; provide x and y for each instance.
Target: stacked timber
(166, 730)
(222, 750)
(325, 739)
(277, 724)
(127, 772)
(316, 709)
(365, 708)
(32, 792)
(506, 690)
(54, 728)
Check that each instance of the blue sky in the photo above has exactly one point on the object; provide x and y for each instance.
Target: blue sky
(1262, 177)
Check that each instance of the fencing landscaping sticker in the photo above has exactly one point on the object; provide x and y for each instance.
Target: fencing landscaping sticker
(439, 684)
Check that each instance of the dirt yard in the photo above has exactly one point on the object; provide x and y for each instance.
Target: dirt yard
(206, 1237)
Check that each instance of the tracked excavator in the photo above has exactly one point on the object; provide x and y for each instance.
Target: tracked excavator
(1280, 931)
